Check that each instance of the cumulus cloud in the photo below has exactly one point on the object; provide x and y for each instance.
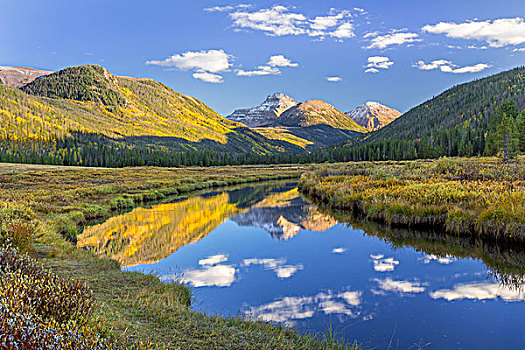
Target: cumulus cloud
(375, 63)
(276, 265)
(339, 250)
(397, 38)
(445, 260)
(211, 274)
(382, 264)
(280, 20)
(271, 68)
(497, 33)
(204, 63)
(402, 287)
(522, 49)
(289, 309)
(449, 67)
(281, 61)
(213, 260)
(213, 61)
(479, 291)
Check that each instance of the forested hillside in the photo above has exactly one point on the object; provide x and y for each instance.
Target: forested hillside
(458, 122)
(85, 115)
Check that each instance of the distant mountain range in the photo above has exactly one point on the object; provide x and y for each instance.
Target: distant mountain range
(314, 123)
(280, 110)
(85, 115)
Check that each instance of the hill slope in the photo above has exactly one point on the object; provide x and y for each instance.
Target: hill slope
(454, 123)
(96, 108)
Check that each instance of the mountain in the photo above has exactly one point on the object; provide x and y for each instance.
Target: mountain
(373, 115)
(317, 112)
(264, 114)
(133, 116)
(308, 125)
(457, 122)
(19, 76)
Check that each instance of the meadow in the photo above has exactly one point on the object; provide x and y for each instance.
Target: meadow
(54, 295)
(464, 196)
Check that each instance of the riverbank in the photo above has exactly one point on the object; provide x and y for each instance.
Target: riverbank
(45, 209)
(465, 196)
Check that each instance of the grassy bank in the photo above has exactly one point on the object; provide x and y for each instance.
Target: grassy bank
(466, 196)
(40, 210)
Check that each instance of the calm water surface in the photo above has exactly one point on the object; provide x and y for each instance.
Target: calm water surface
(263, 250)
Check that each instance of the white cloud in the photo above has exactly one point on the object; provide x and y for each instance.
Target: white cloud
(227, 8)
(497, 33)
(379, 62)
(208, 77)
(274, 21)
(287, 271)
(213, 61)
(399, 38)
(277, 265)
(269, 69)
(214, 259)
(204, 64)
(375, 63)
(216, 275)
(281, 61)
(339, 250)
(344, 31)
(445, 260)
(449, 67)
(519, 50)
(479, 291)
(391, 285)
(382, 264)
(279, 20)
(321, 23)
(260, 71)
(289, 309)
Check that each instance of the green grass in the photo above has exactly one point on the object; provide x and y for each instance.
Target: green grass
(131, 306)
(468, 196)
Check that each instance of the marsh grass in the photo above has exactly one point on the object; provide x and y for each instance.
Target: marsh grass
(127, 309)
(476, 196)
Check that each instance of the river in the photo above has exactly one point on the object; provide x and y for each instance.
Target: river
(264, 251)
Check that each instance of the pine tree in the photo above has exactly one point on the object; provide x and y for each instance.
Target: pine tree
(521, 131)
(507, 137)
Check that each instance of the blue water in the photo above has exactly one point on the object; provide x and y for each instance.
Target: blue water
(281, 263)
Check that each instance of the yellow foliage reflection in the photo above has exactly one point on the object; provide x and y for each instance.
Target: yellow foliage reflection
(147, 235)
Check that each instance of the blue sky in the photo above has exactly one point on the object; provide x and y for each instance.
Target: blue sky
(231, 54)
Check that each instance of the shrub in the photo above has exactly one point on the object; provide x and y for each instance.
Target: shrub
(16, 226)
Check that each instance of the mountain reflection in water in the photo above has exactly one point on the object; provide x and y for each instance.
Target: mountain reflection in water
(146, 235)
(266, 252)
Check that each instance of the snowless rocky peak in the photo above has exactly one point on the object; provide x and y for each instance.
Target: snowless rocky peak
(266, 113)
(19, 76)
(373, 115)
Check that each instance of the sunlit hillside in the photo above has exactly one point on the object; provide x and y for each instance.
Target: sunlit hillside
(146, 235)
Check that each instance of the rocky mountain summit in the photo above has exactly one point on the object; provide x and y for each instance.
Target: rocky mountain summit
(373, 115)
(19, 76)
(266, 113)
